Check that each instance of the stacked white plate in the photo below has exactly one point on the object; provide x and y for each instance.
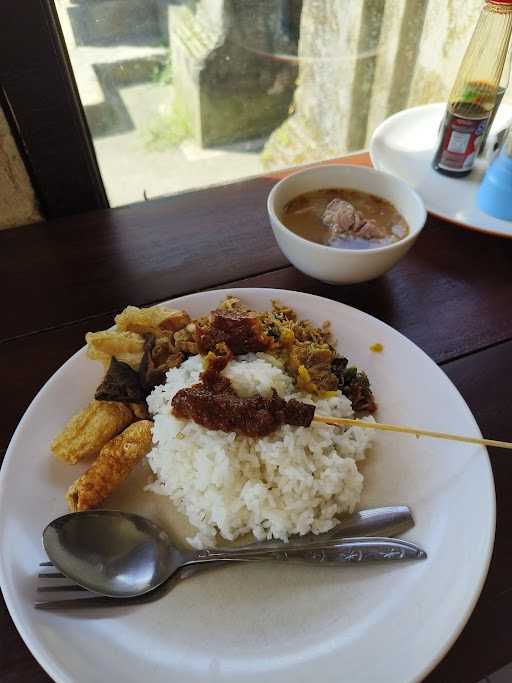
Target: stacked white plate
(404, 145)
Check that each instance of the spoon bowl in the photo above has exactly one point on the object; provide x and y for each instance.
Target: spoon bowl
(109, 552)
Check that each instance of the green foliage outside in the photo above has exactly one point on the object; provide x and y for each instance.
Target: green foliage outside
(168, 130)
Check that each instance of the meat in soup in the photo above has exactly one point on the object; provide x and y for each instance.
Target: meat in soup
(344, 218)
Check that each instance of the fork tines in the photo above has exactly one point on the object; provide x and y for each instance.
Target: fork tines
(61, 588)
(52, 587)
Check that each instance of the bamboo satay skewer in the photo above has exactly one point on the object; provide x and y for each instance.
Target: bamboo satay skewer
(346, 421)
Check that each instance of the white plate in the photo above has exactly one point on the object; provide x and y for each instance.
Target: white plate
(404, 144)
(274, 623)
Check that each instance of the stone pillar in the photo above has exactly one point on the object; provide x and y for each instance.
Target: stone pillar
(113, 22)
(402, 28)
(447, 29)
(233, 65)
(328, 45)
(361, 62)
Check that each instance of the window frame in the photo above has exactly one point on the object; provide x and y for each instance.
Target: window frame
(40, 99)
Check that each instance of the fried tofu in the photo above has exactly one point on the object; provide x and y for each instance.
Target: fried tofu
(126, 347)
(88, 431)
(157, 320)
(112, 466)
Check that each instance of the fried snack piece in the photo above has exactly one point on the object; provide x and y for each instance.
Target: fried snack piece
(140, 410)
(156, 319)
(127, 347)
(114, 463)
(121, 383)
(90, 429)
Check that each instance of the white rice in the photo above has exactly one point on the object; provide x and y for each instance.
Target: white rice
(294, 481)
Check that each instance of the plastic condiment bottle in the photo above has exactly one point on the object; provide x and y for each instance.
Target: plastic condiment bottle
(474, 94)
(495, 194)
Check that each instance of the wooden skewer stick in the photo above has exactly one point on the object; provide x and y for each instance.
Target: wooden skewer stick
(409, 430)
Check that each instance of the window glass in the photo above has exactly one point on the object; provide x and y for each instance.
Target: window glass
(182, 94)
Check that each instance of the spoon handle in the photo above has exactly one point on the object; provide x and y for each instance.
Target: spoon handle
(392, 520)
(349, 551)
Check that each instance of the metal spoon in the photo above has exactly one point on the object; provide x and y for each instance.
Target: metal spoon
(391, 520)
(118, 554)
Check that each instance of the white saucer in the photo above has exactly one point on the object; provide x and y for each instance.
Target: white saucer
(404, 145)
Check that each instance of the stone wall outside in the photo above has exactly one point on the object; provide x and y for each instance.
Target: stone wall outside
(362, 61)
(17, 200)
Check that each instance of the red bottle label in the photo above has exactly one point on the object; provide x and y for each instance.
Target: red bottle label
(461, 140)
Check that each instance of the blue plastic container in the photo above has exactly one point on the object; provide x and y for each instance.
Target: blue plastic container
(495, 194)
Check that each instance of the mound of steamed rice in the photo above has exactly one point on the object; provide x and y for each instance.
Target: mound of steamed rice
(294, 481)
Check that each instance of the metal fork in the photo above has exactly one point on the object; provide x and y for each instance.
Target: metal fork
(90, 600)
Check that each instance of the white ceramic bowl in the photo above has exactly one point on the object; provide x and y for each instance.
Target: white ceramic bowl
(345, 266)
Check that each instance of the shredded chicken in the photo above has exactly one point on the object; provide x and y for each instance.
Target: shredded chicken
(159, 357)
(310, 364)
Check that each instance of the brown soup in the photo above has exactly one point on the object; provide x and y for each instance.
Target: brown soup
(346, 219)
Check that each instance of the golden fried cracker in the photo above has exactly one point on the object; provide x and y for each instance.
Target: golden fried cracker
(90, 430)
(127, 347)
(156, 319)
(114, 463)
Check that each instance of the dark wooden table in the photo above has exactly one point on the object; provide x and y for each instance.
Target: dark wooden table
(450, 295)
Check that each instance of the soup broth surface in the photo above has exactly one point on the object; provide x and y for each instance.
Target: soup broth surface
(344, 218)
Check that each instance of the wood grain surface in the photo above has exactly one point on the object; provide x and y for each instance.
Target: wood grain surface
(484, 645)
(450, 295)
(71, 268)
